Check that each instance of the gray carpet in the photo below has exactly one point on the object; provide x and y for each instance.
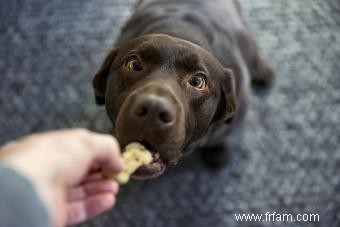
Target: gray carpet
(286, 158)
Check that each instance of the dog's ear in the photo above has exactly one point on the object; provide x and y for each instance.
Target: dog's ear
(100, 78)
(228, 96)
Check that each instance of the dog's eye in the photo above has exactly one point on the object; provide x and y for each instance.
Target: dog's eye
(133, 64)
(198, 81)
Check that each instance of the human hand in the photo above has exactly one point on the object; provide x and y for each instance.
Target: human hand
(65, 167)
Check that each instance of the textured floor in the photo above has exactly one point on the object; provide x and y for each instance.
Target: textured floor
(286, 158)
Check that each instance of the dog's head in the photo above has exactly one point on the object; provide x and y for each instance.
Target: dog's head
(165, 93)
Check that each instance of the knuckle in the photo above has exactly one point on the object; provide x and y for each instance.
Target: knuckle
(84, 137)
(115, 143)
(112, 144)
(82, 132)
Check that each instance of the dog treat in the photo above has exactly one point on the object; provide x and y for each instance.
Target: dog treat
(135, 156)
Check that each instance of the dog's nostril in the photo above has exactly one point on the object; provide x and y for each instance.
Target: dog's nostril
(165, 117)
(141, 111)
(153, 111)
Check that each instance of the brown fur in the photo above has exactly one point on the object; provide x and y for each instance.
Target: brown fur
(175, 40)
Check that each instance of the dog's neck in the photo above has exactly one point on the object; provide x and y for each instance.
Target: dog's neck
(183, 30)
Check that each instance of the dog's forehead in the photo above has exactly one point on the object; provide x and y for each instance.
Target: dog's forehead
(178, 52)
(169, 45)
(172, 47)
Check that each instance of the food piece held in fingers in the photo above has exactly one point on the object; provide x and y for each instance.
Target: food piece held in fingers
(134, 156)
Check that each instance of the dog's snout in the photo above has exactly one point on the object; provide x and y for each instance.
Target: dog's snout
(154, 111)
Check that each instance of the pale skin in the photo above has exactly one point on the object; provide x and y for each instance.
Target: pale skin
(65, 168)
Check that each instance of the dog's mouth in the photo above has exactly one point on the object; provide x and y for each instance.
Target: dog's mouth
(155, 168)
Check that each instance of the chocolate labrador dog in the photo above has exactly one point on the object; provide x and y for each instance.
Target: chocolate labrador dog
(178, 79)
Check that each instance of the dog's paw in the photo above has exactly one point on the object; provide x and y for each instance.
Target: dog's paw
(216, 156)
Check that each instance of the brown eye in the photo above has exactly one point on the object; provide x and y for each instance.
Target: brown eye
(198, 81)
(133, 64)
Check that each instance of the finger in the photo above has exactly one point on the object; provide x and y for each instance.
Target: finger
(95, 167)
(92, 188)
(106, 152)
(82, 210)
(99, 150)
(93, 177)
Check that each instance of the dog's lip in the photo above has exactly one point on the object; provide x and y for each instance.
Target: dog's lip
(155, 168)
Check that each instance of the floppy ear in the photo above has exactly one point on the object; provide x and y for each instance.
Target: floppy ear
(229, 95)
(100, 78)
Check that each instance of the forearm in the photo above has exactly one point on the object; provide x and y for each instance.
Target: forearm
(20, 204)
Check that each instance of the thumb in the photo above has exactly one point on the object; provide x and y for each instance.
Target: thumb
(106, 152)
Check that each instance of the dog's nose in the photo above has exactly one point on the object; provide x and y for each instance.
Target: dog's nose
(153, 111)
